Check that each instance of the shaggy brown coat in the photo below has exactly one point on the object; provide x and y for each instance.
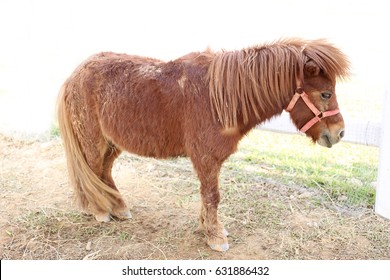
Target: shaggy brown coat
(199, 106)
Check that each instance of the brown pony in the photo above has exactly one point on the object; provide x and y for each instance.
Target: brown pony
(199, 105)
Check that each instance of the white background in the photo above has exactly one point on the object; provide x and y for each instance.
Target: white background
(43, 41)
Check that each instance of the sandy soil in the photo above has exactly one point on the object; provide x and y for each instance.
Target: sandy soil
(266, 220)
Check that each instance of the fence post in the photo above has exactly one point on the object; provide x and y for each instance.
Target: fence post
(382, 200)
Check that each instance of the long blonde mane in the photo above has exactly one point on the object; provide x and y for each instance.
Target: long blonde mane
(255, 80)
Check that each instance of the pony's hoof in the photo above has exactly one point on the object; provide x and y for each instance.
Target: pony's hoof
(104, 217)
(220, 247)
(219, 244)
(226, 234)
(126, 215)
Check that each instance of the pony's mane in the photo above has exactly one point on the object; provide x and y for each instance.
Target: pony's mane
(259, 79)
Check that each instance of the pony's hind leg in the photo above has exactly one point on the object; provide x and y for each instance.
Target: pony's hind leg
(120, 210)
(208, 172)
(100, 158)
(94, 159)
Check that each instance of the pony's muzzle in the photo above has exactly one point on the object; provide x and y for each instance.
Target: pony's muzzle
(328, 139)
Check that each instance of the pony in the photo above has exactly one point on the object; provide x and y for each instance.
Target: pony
(199, 106)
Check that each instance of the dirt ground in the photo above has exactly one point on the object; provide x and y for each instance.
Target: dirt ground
(265, 219)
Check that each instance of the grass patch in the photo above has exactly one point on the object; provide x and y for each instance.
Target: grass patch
(346, 173)
(278, 195)
(55, 130)
(50, 234)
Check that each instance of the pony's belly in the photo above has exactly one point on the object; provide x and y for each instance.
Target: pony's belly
(144, 131)
(150, 149)
(156, 146)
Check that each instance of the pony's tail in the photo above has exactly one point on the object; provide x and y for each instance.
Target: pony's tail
(93, 195)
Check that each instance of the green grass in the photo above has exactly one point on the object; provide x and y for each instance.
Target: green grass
(55, 130)
(346, 173)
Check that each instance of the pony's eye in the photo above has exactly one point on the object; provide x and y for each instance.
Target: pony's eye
(326, 95)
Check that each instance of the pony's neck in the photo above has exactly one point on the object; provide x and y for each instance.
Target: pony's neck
(255, 120)
(252, 85)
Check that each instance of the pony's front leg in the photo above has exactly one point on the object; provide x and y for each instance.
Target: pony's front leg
(208, 173)
(215, 232)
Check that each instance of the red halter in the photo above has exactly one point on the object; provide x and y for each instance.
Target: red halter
(318, 115)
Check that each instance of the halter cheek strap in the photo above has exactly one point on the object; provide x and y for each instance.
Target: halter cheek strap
(318, 115)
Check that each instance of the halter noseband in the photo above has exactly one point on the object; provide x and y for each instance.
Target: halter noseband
(318, 115)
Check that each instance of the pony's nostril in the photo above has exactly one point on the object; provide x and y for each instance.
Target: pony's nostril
(341, 133)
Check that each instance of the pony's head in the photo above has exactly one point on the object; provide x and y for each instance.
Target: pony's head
(252, 85)
(314, 108)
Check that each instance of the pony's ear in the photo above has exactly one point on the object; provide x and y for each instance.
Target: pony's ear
(311, 69)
